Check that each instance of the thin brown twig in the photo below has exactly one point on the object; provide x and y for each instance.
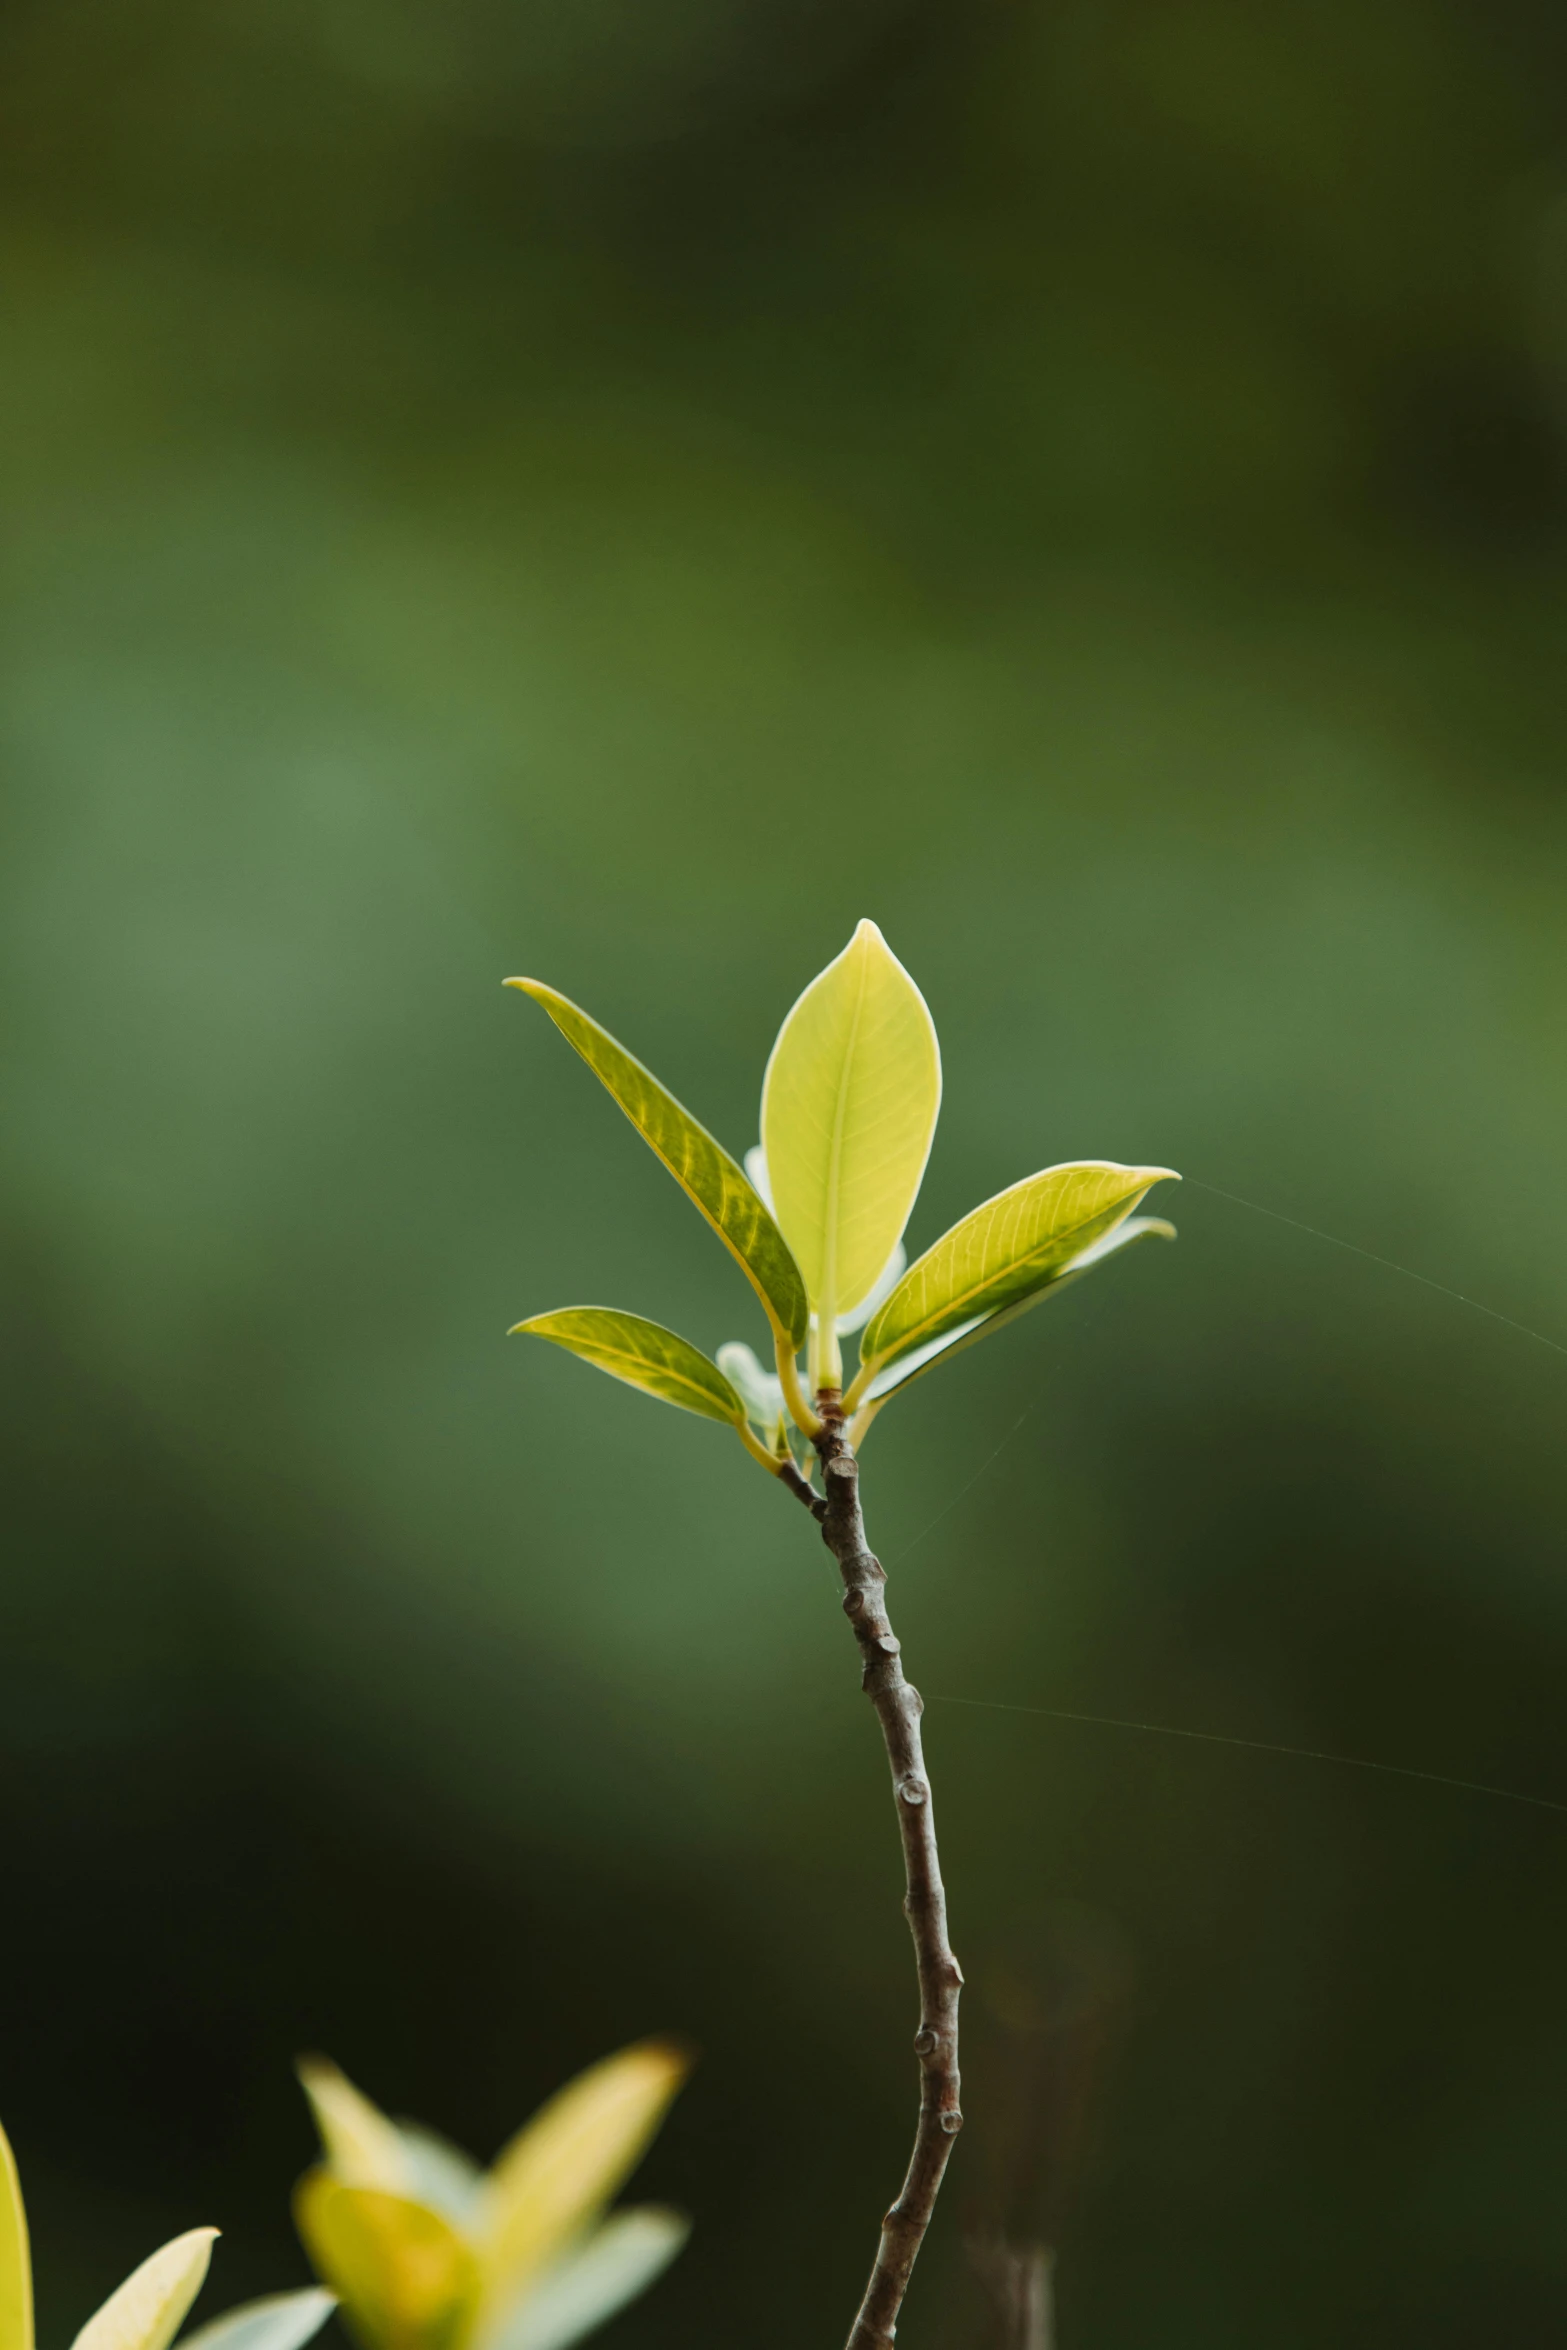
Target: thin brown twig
(790, 1478)
(898, 1706)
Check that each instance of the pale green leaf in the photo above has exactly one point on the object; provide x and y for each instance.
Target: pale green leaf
(593, 2280)
(362, 2148)
(701, 1166)
(760, 1390)
(644, 1354)
(16, 2265)
(560, 2172)
(279, 2321)
(405, 2276)
(1000, 1253)
(440, 2173)
(146, 2312)
(903, 1369)
(849, 1108)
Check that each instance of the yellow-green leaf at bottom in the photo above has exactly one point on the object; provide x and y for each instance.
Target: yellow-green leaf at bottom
(561, 2171)
(1002, 1251)
(16, 2266)
(147, 2310)
(405, 2277)
(644, 1354)
(362, 2148)
(903, 1369)
(700, 1165)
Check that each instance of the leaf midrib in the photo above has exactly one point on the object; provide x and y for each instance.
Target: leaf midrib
(827, 1304)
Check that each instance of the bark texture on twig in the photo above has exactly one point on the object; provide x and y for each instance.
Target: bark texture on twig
(898, 1707)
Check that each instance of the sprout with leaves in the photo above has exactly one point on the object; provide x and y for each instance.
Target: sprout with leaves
(815, 1219)
(147, 2311)
(428, 2252)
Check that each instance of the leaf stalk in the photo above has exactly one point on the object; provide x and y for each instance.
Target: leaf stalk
(805, 1419)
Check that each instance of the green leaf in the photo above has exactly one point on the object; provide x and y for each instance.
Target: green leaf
(593, 2280)
(644, 1354)
(849, 1108)
(702, 1167)
(278, 2321)
(16, 2266)
(146, 2312)
(1003, 1251)
(561, 2171)
(407, 2280)
(903, 1369)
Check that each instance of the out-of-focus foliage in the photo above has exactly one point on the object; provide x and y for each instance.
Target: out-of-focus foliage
(618, 494)
(148, 2309)
(428, 2252)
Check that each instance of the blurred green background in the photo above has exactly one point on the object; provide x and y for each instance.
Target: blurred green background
(618, 492)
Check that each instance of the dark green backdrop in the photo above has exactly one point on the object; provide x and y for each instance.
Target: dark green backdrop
(618, 491)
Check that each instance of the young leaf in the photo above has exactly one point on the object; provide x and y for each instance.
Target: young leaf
(849, 1107)
(1002, 1252)
(701, 1166)
(560, 2172)
(279, 2321)
(644, 1354)
(362, 2148)
(903, 1369)
(850, 1320)
(405, 2277)
(593, 2280)
(759, 1390)
(145, 2312)
(16, 2265)
(891, 1274)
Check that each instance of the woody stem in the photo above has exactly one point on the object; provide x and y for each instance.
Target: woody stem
(898, 1707)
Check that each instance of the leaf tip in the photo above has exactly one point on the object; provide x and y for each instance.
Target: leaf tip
(669, 2054)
